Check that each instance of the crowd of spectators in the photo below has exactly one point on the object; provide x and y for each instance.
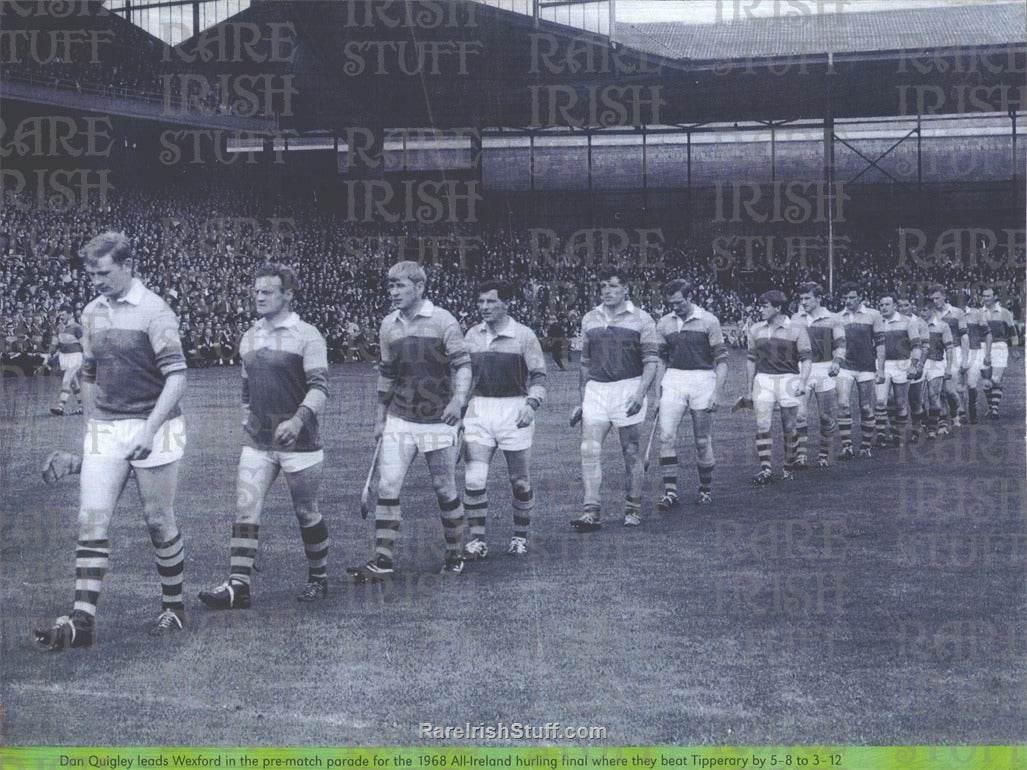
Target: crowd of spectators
(197, 246)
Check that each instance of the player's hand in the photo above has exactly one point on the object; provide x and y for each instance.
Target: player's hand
(1014, 354)
(288, 431)
(879, 379)
(453, 412)
(833, 370)
(141, 444)
(800, 389)
(742, 403)
(575, 416)
(987, 361)
(379, 430)
(59, 464)
(634, 406)
(525, 417)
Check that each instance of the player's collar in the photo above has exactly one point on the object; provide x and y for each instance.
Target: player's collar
(425, 311)
(781, 319)
(289, 321)
(816, 315)
(506, 331)
(133, 296)
(629, 308)
(695, 315)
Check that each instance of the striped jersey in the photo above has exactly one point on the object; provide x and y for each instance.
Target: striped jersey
(69, 338)
(863, 333)
(900, 337)
(617, 348)
(696, 342)
(826, 334)
(777, 346)
(956, 319)
(284, 367)
(508, 363)
(1000, 323)
(976, 327)
(939, 336)
(919, 328)
(130, 345)
(418, 358)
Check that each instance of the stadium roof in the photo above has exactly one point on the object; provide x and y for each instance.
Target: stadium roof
(820, 33)
(852, 65)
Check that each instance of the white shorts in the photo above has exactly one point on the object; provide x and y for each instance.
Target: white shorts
(112, 439)
(492, 422)
(933, 369)
(820, 380)
(69, 361)
(852, 374)
(253, 459)
(688, 389)
(896, 372)
(770, 389)
(999, 355)
(608, 402)
(425, 436)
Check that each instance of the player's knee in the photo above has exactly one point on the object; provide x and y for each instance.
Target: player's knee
(476, 475)
(630, 453)
(591, 449)
(827, 422)
(92, 524)
(521, 486)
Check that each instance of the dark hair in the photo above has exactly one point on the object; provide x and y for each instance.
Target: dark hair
(613, 271)
(110, 243)
(283, 272)
(894, 296)
(812, 288)
(848, 286)
(675, 285)
(775, 298)
(504, 289)
(936, 287)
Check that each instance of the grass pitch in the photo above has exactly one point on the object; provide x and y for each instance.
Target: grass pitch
(879, 601)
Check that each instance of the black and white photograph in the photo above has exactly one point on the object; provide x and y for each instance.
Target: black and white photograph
(735, 287)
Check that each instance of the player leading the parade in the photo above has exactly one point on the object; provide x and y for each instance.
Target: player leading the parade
(284, 390)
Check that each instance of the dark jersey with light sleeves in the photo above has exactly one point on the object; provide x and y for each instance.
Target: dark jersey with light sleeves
(507, 364)
(863, 333)
(900, 338)
(826, 334)
(939, 336)
(976, 328)
(418, 359)
(69, 338)
(956, 319)
(1000, 323)
(130, 346)
(696, 342)
(284, 367)
(617, 348)
(777, 347)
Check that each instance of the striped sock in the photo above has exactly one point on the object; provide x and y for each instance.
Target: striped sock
(845, 430)
(65, 395)
(387, 519)
(523, 507)
(954, 406)
(933, 417)
(803, 443)
(764, 448)
(994, 397)
(244, 551)
(593, 509)
(452, 524)
(315, 544)
(669, 470)
(826, 435)
(791, 447)
(705, 477)
(881, 419)
(866, 433)
(170, 566)
(476, 503)
(92, 557)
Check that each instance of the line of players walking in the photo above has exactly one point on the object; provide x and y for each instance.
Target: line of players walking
(445, 394)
